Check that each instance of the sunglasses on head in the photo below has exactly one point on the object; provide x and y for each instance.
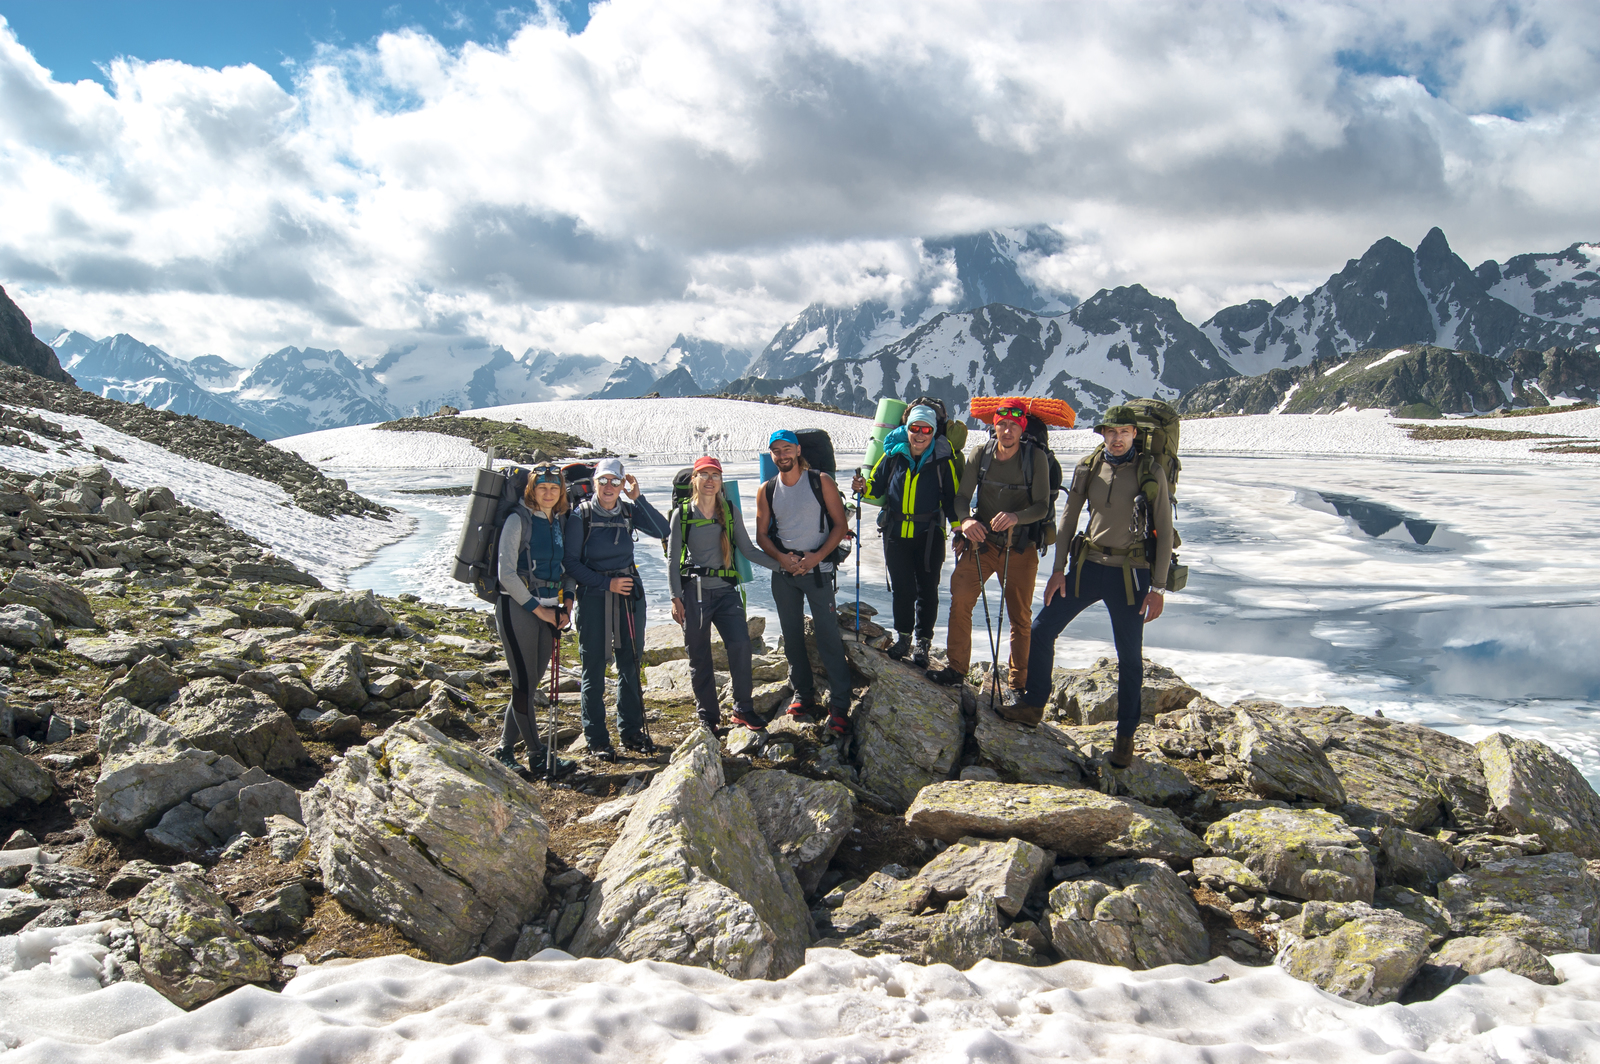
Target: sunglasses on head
(920, 430)
(546, 475)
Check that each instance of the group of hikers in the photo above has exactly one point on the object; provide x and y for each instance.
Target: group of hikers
(996, 503)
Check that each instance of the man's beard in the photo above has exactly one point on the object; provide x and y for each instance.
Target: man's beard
(784, 464)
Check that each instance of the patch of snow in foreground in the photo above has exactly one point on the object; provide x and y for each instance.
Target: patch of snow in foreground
(836, 1007)
(679, 428)
(328, 548)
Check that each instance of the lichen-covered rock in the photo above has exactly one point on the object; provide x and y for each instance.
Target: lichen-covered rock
(344, 607)
(26, 627)
(1421, 777)
(64, 603)
(235, 720)
(1474, 955)
(110, 651)
(1362, 954)
(1089, 696)
(1539, 792)
(1409, 859)
(342, 679)
(190, 947)
(1219, 873)
(910, 729)
(1148, 778)
(1134, 913)
(690, 879)
(1020, 754)
(1264, 752)
(430, 836)
(1006, 871)
(886, 915)
(146, 768)
(1550, 901)
(21, 778)
(1413, 905)
(803, 820)
(1307, 854)
(151, 680)
(1080, 823)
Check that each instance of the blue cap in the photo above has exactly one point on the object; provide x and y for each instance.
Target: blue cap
(783, 436)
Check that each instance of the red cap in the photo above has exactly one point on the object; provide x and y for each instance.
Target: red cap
(707, 462)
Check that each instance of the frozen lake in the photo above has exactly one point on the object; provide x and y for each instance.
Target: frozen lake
(1453, 593)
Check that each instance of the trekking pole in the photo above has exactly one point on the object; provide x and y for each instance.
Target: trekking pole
(858, 561)
(983, 592)
(1005, 577)
(555, 696)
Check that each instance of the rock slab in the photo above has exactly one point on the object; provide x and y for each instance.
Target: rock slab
(1362, 954)
(1550, 901)
(803, 820)
(1308, 854)
(190, 947)
(1137, 914)
(1539, 792)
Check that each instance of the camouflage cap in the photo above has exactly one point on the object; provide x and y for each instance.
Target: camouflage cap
(1118, 415)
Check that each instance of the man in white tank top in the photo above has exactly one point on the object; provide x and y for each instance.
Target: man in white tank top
(799, 527)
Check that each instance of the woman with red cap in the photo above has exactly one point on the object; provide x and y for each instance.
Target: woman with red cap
(706, 530)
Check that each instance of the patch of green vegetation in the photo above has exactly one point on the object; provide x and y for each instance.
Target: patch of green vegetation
(509, 439)
(463, 489)
(1476, 432)
(1535, 411)
(1570, 448)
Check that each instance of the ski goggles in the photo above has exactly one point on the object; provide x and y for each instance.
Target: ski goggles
(920, 430)
(1011, 413)
(547, 474)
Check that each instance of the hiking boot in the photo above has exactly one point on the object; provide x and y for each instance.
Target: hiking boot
(607, 755)
(839, 722)
(919, 656)
(901, 648)
(802, 710)
(747, 717)
(639, 744)
(711, 723)
(1121, 755)
(560, 767)
(946, 676)
(506, 758)
(1016, 709)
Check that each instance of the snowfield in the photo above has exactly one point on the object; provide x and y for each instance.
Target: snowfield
(836, 1007)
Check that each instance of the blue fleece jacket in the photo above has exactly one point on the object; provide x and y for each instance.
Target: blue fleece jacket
(609, 549)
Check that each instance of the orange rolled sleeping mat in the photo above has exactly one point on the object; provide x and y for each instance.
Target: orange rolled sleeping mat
(1054, 412)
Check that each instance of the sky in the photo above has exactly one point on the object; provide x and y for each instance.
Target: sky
(231, 179)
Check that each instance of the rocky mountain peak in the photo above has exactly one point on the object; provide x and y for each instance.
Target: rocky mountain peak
(19, 347)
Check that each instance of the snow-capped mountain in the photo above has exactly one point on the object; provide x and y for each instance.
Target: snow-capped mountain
(1562, 286)
(214, 373)
(298, 390)
(1393, 296)
(1118, 344)
(123, 368)
(710, 363)
(631, 379)
(985, 268)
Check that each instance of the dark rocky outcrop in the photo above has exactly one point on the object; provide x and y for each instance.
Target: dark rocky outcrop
(20, 348)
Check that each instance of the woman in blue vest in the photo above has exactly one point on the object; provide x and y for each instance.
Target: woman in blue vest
(916, 479)
(706, 530)
(533, 606)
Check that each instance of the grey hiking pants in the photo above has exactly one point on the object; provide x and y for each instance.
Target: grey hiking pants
(791, 595)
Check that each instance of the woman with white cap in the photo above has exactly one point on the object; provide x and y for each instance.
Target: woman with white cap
(916, 479)
(706, 530)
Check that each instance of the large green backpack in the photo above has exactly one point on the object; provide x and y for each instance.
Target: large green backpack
(1158, 446)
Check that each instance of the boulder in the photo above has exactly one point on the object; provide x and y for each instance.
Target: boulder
(1362, 954)
(284, 837)
(1307, 854)
(150, 681)
(1137, 914)
(133, 877)
(342, 679)
(63, 603)
(1079, 823)
(1550, 901)
(1421, 777)
(344, 607)
(1539, 792)
(234, 720)
(22, 779)
(1474, 955)
(146, 768)
(1020, 754)
(260, 802)
(690, 879)
(284, 910)
(1148, 779)
(26, 627)
(1265, 753)
(1006, 871)
(910, 730)
(110, 651)
(968, 931)
(183, 829)
(803, 820)
(1413, 905)
(880, 899)
(190, 948)
(399, 830)
(1089, 696)
(1409, 859)
(1220, 873)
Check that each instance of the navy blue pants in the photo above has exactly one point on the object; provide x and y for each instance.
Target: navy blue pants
(592, 639)
(721, 608)
(1100, 583)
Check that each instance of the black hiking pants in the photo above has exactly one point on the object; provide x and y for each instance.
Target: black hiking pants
(915, 566)
(1100, 583)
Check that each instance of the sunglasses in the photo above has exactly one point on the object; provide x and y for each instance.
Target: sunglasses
(1015, 413)
(608, 481)
(920, 430)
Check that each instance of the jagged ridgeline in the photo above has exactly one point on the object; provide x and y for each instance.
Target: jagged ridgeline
(1416, 380)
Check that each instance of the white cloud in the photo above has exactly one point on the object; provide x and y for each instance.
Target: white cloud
(710, 167)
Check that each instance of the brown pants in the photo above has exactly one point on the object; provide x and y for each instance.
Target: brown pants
(1018, 591)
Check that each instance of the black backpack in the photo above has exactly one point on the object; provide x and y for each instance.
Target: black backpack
(486, 575)
(682, 492)
(1037, 434)
(579, 480)
(770, 488)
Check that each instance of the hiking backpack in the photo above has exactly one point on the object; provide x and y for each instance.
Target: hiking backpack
(1037, 434)
(1157, 440)
(478, 556)
(579, 480)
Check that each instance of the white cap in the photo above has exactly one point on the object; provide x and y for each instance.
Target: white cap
(608, 467)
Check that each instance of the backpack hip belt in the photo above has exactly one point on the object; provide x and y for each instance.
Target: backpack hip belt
(1127, 554)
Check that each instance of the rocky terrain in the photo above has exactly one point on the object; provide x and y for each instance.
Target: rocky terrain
(513, 442)
(225, 446)
(236, 775)
(1415, 380)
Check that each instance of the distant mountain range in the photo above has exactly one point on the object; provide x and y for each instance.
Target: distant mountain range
(975, 321)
